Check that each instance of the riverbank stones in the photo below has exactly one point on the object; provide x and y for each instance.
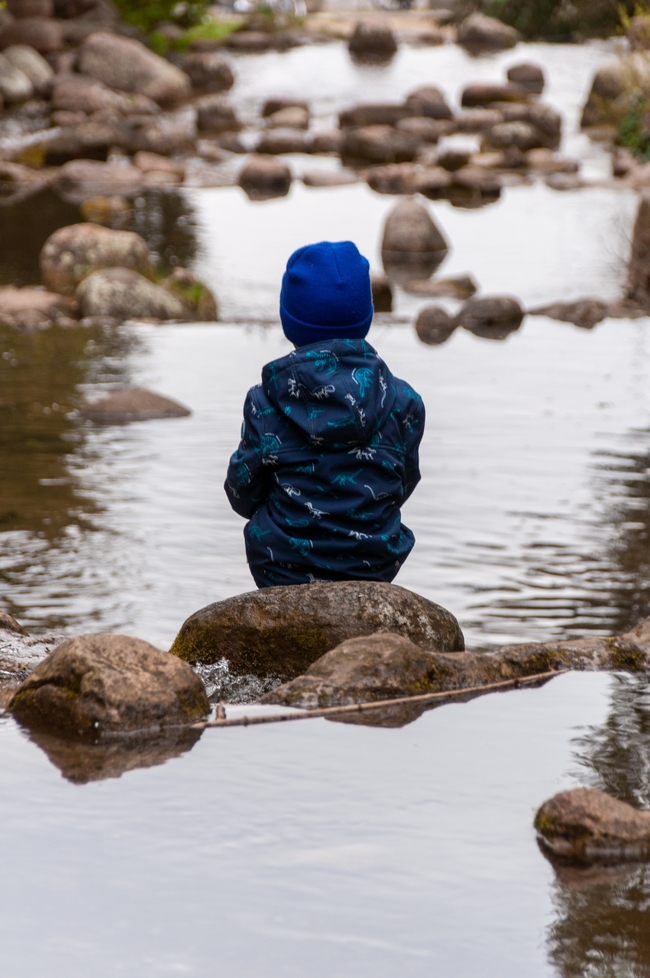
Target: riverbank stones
(127, 65)
(281, 631)
(124, 294)
(108, 684)
(76, 250)
(588, 825)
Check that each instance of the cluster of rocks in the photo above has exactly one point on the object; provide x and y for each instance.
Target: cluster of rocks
(91, 273)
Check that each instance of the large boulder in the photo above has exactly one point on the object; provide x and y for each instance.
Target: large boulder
(33, 65)
(379, 144)
(480, 33)
(616, 88)
(372, 40)
(134, 404)
(412, 245)
(74, 251)
(588, 825)
(281, 631)
(98, 684)
(15, 85)
(127, 65)
(262, 177)
(124, 294)
(80, 93)
(492, 317)
(208, 72)
(41, 33)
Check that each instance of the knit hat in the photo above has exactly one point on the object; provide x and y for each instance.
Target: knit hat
(326, 294)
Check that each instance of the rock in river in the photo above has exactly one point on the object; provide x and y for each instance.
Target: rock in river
(263, 177)
(412, 246)
(98, 684)
(379, 144)
(124, 294)
(588, 825)
(33, 65)
(15, 86)
(280, 631)
(74, 251)
(127, 65)
(492, 317)
(434, 325)
(480, 33)
(208, 72)
(372, 40)
(529, 76)
(135, 404)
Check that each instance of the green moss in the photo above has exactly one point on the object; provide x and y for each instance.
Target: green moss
(633, 131)
(626, 658)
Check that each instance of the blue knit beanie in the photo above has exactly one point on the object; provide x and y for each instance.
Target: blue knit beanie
(326, 294)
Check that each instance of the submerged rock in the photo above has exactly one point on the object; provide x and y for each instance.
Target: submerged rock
(588, 825)
(492, 317)
(412, 245)
(434, 325)
(460, 287)
(101, 684)
(76, 250)
(529, 76)
(280, 631)
(584, 312)
(122, 293)
(480, 33)
(127, 65)
(135, 404)
(372, 40)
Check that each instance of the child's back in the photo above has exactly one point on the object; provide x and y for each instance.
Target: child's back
(329, 452)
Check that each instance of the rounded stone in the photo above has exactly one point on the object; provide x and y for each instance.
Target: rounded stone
(434, 325)
(74, 251)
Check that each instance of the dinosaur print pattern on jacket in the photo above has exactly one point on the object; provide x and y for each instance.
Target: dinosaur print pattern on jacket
(328, 454)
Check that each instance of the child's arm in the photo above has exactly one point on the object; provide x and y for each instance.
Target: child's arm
(247, 481)
(414, 423)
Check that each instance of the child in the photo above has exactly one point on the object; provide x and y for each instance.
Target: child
(329, 447)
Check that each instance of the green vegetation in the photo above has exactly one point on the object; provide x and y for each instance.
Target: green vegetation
(145, 14)
(558, 20)
(633, 130)
(207, 30)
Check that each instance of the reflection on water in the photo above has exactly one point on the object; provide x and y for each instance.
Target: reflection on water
(601, 928)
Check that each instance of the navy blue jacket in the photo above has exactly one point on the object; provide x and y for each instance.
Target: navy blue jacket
(328, 453)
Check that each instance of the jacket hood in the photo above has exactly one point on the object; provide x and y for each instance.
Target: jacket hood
(339, 392)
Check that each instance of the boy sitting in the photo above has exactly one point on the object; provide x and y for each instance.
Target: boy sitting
(329, 446)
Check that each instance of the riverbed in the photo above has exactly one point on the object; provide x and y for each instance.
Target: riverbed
(320, 848)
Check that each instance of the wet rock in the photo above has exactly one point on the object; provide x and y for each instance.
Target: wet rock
(41, 33)
(263, 177)
(317, 178)
(372, 40)
(546, 161)
(15, 86)
(461, 287)
(564, 181)
(102, 684)
(431, 181)
(639, 265)
(33, 65)
(382, 293)
(615, 89)
(584, 312)
(423, 128)
(588, 825)
(81, 763)
(478, 120)
(154, 162)
(78, 93)
(374, 114)
(197, 297)
(379, 144)
(434, 325)
(125, 64)
(278, 141)
(360, 670)
(327, 142)
(113, 212)
(412, 245)
(485, 93)
(89, 140)
(135, 404)
(480, 33)
(396, 178)
(81, 179)
(453, 159)
(9, 624)
(273, 105)
(548, 122)
(19, 654)
(428, 101)
(32, 307)
(528, 76)
(75, 250)
(492, 317)
(623, 161)
(124, 294)
(208, 72)
(30, 8)
(519, 134)
(281, 631)
(473, 186)
(215, 114)
(293, 117)
(170, 132)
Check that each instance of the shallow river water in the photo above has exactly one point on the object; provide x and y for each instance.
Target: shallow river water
(320, 848)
